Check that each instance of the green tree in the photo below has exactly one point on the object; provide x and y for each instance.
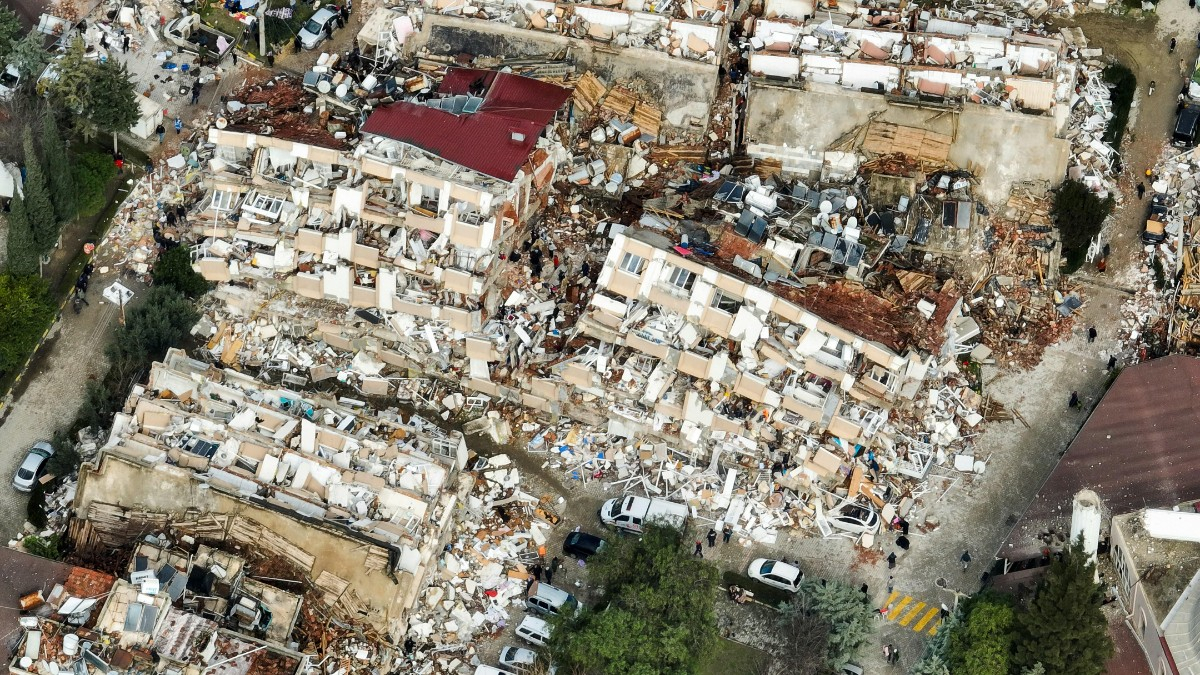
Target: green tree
(931, 664)
(30, 57)
(174, 268)
(48, 547)
(65, 459)
(22, 252)
(161, 321)
(28, 310)
(1079, 213)
(39, 211)
(1063, 628)
(58, 171)
(655, 613)
(114, 105)
(68, 90)
(805, 643)
(982, 643)
(1037, 669)
(91, 173)
(10, 30)
(846, 609)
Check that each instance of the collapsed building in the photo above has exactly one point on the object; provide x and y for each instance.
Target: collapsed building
(360, 504)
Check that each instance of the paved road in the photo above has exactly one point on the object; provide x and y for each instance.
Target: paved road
(53, 391)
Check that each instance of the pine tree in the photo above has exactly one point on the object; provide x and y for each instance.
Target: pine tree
(39, 212)
(58, 172)
(22, 255)
(1063, 628)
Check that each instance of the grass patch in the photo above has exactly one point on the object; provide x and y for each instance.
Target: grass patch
(735, 658)
(768, 595)
(214, 14)
(1123, 84)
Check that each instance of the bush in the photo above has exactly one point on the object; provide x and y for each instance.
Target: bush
(66, 458)
(1123, 84)
(1079, 213)
(174, 268)
(44, 548)
(28, 310)
(92, 172)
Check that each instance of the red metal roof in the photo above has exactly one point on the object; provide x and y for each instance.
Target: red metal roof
(483, 141)
(1139, 448)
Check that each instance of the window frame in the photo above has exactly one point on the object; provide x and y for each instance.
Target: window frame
(719, 296)
(630, 256)
(676, 273)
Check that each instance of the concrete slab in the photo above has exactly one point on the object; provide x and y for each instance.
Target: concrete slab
(1001, 147)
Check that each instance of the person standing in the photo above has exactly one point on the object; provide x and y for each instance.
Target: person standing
(178, 126)
(1150, 93)
(161, 131)
(712, 537)
(1074, 402)
(196, 91)
(1091, 334)
(297, 44)
(1171, 48)
(271, 57)
(1112, 363)
(891, 559)
(125, 44)
(1141, 190)
(887, 653)
(552, 569)
(895, 655)
(727, 533)
(965, 559)
(699, 549)
(891, 584)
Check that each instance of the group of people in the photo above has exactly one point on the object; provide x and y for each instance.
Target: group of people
(539, 573)
(727, 533)
(81, 286)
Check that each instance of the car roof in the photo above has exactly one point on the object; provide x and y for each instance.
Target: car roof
(44, 447)
(32, 461)
(535, 624)
(584, 537)
(518, 654)
(322, 14)
(552, 593)
(779, 568)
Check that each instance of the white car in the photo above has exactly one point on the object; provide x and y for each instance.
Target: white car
(318, 27)
(33, 467)
(776, 573)
(520, 659)
(854, 518)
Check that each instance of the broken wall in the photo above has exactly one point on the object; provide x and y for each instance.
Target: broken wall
(174, 492)
(685, 89)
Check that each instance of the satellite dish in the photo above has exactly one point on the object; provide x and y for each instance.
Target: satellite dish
(222, 122)
(323, 86)
(342, 89)
(851, 222)
(851, 202)
(826, 206)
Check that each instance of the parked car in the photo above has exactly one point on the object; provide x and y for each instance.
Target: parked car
(318, 27)
(776, 573)
(492, 670)
(1186, 126)
(521, 660)
(582, 545)
(34, 466)
(1156, 221)
(551, 600)
(854, 518)
(533, 630)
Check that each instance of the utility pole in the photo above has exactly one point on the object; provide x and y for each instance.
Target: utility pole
(262, 27)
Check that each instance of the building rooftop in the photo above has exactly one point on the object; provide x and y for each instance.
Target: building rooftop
(492, 132)
(1164, 567)
(1138, 447)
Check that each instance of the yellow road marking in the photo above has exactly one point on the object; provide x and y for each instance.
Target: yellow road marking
(891, 598)
(912, 614)
(933, 611)
(899, 606)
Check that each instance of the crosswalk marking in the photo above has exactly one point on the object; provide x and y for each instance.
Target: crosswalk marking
(912, 614)
(907, 611)
(933, 611)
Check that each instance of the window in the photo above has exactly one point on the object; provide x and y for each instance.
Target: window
(222, 200)
(634, 264)
(726, 303)
(430, 198)
(681, 278)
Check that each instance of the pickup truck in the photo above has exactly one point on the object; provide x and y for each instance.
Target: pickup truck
(631, 513)
(191, 35)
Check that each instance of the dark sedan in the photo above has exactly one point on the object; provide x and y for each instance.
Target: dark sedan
(582, 545)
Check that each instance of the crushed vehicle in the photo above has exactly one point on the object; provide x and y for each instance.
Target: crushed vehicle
(1156, 221)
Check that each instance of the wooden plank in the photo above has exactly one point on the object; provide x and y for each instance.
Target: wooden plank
(588, 92)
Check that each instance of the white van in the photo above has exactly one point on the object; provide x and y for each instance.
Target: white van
(547, 599)
(534, 631)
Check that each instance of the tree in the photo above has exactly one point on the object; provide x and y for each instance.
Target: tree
(65, 459)
(43, 548)
(91, 172)
(10, 30)
(805, 642)
(1079, 213)
(930, 665)
(29, 55)
(657, 611)
(98, 96)
(174, 268)
(113, 102)
(35, 508)
(982, 642)
(58, 171)
(39, 211)
(160, 322)
(22, 252)
(1063, 628)
(28, 309)
(848, 612)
